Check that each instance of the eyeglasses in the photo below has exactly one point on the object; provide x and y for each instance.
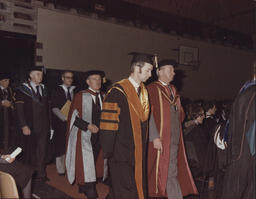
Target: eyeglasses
(68, 77)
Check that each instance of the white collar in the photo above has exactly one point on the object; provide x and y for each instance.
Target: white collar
(2, 87)
(66, 88)
(93, 90)
(163, 83)
(133, 82)
(33, 84)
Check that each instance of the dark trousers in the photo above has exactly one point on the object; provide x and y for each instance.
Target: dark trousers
(123, 181)
(89, 189)
(41, 153)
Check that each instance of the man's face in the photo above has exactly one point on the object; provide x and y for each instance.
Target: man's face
(94, 81)
(166, 73)
(5, 83)
(201, 117)
(67, 78)
(145, 72)
(36, 76)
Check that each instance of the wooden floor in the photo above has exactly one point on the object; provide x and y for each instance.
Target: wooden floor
(61, 183)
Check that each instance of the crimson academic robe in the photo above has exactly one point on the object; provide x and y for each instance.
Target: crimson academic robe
(158, 164)
(80, 162)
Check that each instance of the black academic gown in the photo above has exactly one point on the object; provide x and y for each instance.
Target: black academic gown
(210, 167)
(6, 120)
(58, 100)
(33, 113)
(239, 180)
(118, 146)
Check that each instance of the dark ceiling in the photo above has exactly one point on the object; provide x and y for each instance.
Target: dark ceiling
(237, 15)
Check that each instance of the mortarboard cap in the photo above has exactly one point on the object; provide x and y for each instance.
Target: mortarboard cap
(95, 72)
(165, 62)
(142, 57)
(4, 76)
(37, 68)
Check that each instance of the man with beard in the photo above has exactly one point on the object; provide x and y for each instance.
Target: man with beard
(168, 171)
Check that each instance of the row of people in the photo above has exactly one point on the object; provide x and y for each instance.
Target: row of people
(122, 120)
(120, 123)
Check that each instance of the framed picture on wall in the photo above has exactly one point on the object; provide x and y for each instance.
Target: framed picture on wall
(189, 57)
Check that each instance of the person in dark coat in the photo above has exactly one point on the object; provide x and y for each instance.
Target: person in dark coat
(196, 142)
(210, 122)
(209, 126)
(61, 96)
(123, 131)
(21, 173)
(33, 121)
(239, 179)
(6, 111)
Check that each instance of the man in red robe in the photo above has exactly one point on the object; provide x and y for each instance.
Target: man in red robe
(83, 145)
(168, 171)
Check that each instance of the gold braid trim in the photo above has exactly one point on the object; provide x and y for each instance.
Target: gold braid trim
(110, 116)
(161, 133)
(110, 106)
(108, 126)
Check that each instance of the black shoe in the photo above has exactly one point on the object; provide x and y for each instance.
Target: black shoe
(61, 174)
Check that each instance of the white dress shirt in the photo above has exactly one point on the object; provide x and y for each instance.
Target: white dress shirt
(33, 85)
(134, 83)
(94, 97)
(71, 90)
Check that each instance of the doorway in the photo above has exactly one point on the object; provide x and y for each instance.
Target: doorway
(17, 55)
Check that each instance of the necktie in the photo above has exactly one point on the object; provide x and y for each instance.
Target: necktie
(69, 95)
(139, 91)
(5, 96)
(171, 93)
(97, 99)
(38, 95)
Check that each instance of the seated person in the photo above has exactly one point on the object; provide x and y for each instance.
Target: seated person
(22, 174)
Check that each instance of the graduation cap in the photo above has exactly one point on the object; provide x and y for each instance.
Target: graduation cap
(142, 57)
(165, 62)
(37, 68)
(4, 76)
(95, 72)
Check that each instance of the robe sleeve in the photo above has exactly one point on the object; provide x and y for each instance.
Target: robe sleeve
(81, 124)
(109, 123)
(59, 114)
(20, 109)
(3, 161)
